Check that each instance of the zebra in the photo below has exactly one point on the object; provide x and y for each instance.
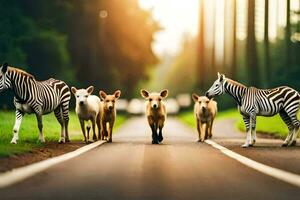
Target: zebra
(38, 97)
(254, 102)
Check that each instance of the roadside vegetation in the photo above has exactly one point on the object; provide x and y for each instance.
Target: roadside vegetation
(28, 134)
(265, 125)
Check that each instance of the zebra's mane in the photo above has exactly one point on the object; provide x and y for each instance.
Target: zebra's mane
(20, 71)
(235, 82)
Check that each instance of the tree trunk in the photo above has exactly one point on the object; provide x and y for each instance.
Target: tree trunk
(288, 37)
(201, 68)
(213, 49)
(252, 64)
(268, 71)
(233, 65)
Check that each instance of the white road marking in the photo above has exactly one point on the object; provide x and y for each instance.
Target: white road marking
(288, 177)
(22, 173)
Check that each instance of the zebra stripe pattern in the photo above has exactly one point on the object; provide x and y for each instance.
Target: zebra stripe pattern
(38, 97)
(255, 102)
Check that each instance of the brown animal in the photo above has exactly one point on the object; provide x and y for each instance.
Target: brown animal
(108, 114)
(156, 113)
(205, 112)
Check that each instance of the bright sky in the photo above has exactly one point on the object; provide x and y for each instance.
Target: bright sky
(177, 17)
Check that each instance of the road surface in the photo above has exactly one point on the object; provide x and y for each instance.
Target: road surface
(132, 168)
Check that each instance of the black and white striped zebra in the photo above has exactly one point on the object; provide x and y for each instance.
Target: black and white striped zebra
(254, 102)
(38, 97)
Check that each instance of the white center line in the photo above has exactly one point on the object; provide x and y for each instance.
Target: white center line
(288, 177)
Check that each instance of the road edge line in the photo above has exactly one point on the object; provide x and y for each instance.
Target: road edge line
(282, 175)
(19, 174)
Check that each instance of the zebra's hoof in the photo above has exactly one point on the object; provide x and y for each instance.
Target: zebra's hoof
(284, 145)
(13, 142)
(245, 145)
(293, 143)
(42, 140)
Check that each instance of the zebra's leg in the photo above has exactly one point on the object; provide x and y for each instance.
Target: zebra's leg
(19, 116)
(246, 120)
(296, 124)
(253, 129)
(59, 117)
(40, 126)
(287, 120)
(65, 113)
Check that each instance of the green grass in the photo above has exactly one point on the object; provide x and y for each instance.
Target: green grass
(28, 134)
(266, 125)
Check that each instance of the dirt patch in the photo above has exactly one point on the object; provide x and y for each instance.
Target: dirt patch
(50, 150)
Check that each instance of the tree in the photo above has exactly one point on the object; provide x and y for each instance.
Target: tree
(252, 64)
(106, 43)
(233, 71)
(213, 62)
(201, 68)
(268, 71)
(288, 36)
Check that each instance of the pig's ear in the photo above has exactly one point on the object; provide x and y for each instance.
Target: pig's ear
(102, 94)
(211, 99)
(117, 93)
(164, 93)
(73, 90)
(195, 97)
(144, 93)
(90, 89)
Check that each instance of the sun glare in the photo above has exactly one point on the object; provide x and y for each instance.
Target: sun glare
(177, 18)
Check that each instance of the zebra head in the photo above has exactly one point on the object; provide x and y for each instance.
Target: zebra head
(4, 79)
(217, 88)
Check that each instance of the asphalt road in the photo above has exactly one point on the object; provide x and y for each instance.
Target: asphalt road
(132, 168)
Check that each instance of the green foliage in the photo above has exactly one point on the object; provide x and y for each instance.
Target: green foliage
(28, 135)
(69, 40)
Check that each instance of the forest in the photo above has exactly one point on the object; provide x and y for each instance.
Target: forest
(108, 44)
(254, 42)
(105, 43)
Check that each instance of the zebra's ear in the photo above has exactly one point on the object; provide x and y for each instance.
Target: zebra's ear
(4, 67)
(221, 77)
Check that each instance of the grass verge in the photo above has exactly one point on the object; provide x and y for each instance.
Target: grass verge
(28, 134)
